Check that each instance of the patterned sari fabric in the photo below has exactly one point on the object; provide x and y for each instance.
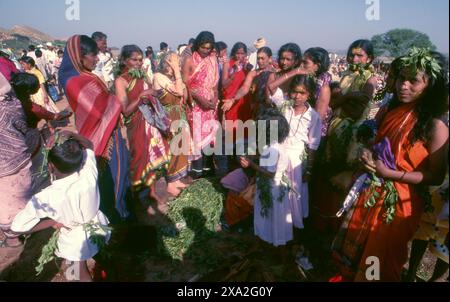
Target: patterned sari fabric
(364, 232)
(338, 155)
(97, 114)
(176, 111)
(203, 82)
(149, 150)
(15, 164)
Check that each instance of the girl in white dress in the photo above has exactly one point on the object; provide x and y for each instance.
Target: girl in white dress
(300, 146)
(270, 221)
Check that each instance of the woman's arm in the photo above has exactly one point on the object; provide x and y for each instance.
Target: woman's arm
(245, 88)
(226, 78)
(434, 174)
(127, 108)
(186, 70)
(323, 102)
(247, 163)
(273, 83)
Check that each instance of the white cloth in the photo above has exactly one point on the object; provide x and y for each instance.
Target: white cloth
(305, 130)
(275, 228)
(278, 98)
(147, 66)
(72, 201)
(104, 67)
(253, 59)
(32, 55)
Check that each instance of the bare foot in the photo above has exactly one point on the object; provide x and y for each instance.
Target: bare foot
(180, 184)
(173, 190)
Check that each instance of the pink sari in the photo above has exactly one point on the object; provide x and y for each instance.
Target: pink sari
(204, 122)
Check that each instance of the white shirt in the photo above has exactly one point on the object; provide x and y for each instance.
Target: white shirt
(72, 201)
(104, 67)
(305, 129)
(253, 59)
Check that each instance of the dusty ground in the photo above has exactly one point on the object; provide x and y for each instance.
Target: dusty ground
(132, 255)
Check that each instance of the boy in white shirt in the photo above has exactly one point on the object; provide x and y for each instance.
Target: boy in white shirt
(70, 203)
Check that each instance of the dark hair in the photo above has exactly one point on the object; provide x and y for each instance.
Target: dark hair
(148, 52)
(98, 35)
(163, 45)
(3, 54)
(125, 54)
(181, 45)
(191, 41)
(60, 52)
(306, 81)
(31, 48)
(272, 114)
(366, 45)
(294, 49)
(220, 46)
(433, 103)
(265, 50)
(24, 85)
(88, 46)
(28, 60)
(38, 53)
(67, 157)
(203, 38)
(320, 57)
(236, 47)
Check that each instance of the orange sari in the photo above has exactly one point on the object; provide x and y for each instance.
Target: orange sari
(364, 233)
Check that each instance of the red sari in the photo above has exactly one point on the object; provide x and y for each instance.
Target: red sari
(364, 232)
(241, 109)
(149, 150)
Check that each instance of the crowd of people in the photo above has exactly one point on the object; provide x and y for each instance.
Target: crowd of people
(343, 150)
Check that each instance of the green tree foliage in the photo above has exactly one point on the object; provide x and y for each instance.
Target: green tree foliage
(398, 42)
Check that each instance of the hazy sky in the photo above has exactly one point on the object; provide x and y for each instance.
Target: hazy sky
(332, 24)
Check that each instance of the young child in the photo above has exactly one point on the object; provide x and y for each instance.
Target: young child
(270, 221)
(302, 142)
(300, 146)
(70, 203)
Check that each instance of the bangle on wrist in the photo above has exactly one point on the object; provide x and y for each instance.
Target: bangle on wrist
(403, 175)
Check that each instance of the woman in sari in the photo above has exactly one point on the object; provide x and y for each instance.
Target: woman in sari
(41, 97)
(407, 157)
(15, 167)
(149, 149)
(97, 117)
(200, 74)
(233, 77)
(171, 91)
(289, 60)
(340, 160)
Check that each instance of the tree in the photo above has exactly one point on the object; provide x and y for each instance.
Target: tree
(397, 42)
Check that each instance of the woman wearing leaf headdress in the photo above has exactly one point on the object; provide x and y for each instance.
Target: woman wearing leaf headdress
(409, 151)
